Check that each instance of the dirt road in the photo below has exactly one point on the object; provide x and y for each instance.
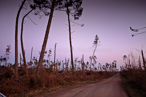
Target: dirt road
(107, 88)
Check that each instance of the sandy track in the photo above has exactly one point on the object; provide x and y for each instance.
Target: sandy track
(107, 88)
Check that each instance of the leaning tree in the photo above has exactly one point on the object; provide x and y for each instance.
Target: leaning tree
(37, 7)
(72, 7)
(22, 46)
(16, 39)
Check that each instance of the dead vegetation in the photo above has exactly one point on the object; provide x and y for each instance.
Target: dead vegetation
(134, 78)
(46, 80)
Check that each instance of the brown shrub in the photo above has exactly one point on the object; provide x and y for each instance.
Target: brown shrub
(135, 76)
(46, 79)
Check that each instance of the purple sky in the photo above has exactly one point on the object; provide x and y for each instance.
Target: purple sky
(109, 19)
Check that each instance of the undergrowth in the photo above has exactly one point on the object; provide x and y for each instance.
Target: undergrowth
(46, 81)
(134, 82)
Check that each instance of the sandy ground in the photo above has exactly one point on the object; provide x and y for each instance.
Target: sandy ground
(107, 88)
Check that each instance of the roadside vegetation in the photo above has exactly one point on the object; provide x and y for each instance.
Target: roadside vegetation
(54, 75)
(48, 80)
(134, 76)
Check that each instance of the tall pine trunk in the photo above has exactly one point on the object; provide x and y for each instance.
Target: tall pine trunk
(71, 51)
(46, 38)
(16, 40)
(22, 46)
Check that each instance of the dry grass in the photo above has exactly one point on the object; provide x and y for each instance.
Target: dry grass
(134, 82)
(44, 82)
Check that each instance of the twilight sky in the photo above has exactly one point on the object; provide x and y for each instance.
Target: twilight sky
(109, 19)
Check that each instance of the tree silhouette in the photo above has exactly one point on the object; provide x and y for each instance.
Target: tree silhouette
(16, 40)
(95, 44)
(42, 6)
(22, 46)
(34, 7)
(75, 6)
(62, 5)
(93, 57)
(50, 5)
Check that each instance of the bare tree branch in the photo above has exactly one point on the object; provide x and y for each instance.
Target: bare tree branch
(32, 20)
